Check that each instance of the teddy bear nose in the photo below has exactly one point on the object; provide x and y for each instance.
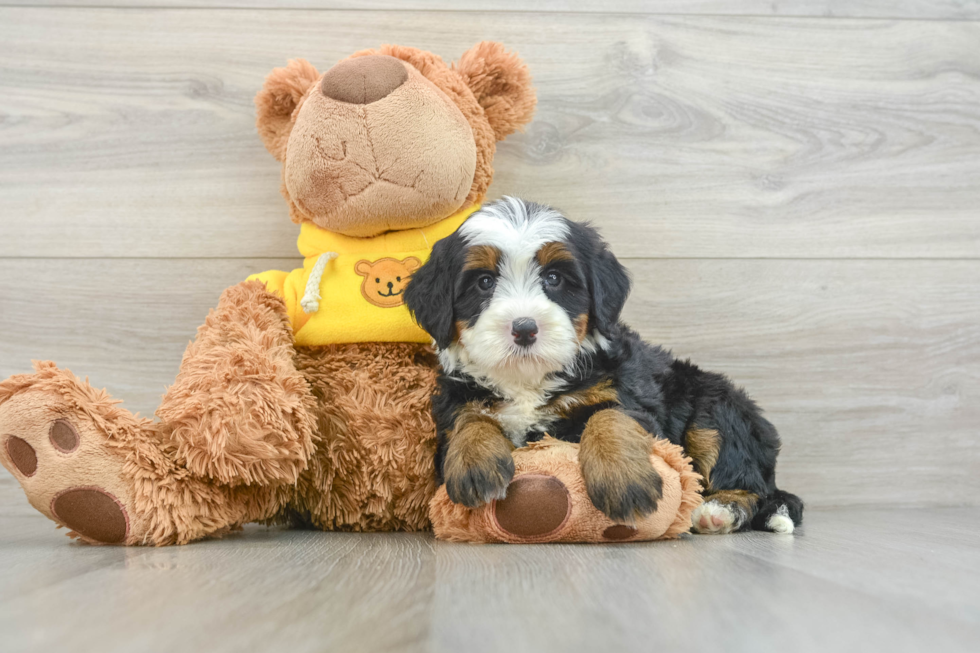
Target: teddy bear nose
(363, 80)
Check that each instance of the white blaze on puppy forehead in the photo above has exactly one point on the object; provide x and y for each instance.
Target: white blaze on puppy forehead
(514, 227)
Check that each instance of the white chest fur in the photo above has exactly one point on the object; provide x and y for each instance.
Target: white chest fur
(523, 410)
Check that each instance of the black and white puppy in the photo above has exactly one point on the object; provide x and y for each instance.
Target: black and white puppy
(524, 308)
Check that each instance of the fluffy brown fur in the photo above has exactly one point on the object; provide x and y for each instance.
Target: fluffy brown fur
(373, 467)
(239, 411)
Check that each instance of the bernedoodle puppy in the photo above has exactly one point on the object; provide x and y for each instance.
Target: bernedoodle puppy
(524, 308)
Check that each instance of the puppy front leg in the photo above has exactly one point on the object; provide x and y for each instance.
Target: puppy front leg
(615, 458)
(478, 465)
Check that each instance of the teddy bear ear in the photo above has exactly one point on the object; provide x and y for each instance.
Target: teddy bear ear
(363, 268)
(281, 93)
(501, 83)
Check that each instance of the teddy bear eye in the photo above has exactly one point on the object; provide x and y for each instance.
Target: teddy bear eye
(377, 280)
(398, 278)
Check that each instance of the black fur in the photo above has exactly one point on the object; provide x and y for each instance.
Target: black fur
(432, 289)
(608, 281)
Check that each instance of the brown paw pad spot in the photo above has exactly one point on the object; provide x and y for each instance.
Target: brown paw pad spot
(63, 436)
(536, 505)
(619, 532)
(22, 455)
(93, 513)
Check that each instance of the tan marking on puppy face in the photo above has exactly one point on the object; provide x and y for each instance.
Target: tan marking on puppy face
(482, 257)
(552, 252)
(741, 498)
(385, 279)
(702, 445)
(461, 326)
(581, 324)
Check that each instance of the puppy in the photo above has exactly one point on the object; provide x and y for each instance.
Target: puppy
(523, 306)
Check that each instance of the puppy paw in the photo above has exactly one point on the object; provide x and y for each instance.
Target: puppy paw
(625, 490)
(715, 518)
(481, 481)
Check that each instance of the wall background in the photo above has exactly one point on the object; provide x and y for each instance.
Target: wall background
(794, 185)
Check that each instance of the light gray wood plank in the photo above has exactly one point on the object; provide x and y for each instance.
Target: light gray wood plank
(870, 369)
(922, 9)
(130, 133)
(308, 591)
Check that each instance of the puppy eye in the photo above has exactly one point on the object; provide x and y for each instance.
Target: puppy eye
(552, 279)
(486, 282)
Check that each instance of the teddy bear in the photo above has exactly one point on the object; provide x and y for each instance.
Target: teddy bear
(305, 398)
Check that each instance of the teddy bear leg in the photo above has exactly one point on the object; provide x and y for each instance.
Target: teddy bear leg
(239, 412)
(107, 475)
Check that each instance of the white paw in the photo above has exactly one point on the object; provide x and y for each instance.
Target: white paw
(713, 518)
(780, 522)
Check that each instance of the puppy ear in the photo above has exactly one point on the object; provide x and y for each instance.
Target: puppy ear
(431, 291)
(610, 285)
(275, 103)
(501, 83)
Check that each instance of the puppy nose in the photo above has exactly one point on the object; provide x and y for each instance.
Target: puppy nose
(524, 330)
(363, 80)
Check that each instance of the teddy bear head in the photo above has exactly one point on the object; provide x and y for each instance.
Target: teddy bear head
(392, 138)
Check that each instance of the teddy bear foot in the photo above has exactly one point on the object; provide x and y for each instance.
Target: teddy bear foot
(538, 508)
(547, 502)
(53, 444)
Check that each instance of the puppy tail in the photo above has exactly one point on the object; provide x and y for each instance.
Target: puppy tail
(780, 512)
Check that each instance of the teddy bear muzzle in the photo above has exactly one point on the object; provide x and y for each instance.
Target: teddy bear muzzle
(363, 80)
(377, 147)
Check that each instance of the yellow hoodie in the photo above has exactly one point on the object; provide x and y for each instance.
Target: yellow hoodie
(350, 289)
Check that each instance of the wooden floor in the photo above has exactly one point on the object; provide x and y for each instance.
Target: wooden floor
(794, 184)
(852, 580)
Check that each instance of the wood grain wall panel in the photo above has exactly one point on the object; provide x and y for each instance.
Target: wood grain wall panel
(130, 132)
(921, 9)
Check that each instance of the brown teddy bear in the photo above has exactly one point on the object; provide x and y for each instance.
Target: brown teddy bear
(305, 397)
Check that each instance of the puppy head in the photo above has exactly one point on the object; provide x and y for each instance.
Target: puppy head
(518, 291)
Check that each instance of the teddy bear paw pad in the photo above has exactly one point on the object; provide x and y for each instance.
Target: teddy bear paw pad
(536, 506)
(66, 470)
(619, 533)
(93, 513)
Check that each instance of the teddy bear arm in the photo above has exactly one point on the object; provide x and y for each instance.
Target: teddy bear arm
(239, 411)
